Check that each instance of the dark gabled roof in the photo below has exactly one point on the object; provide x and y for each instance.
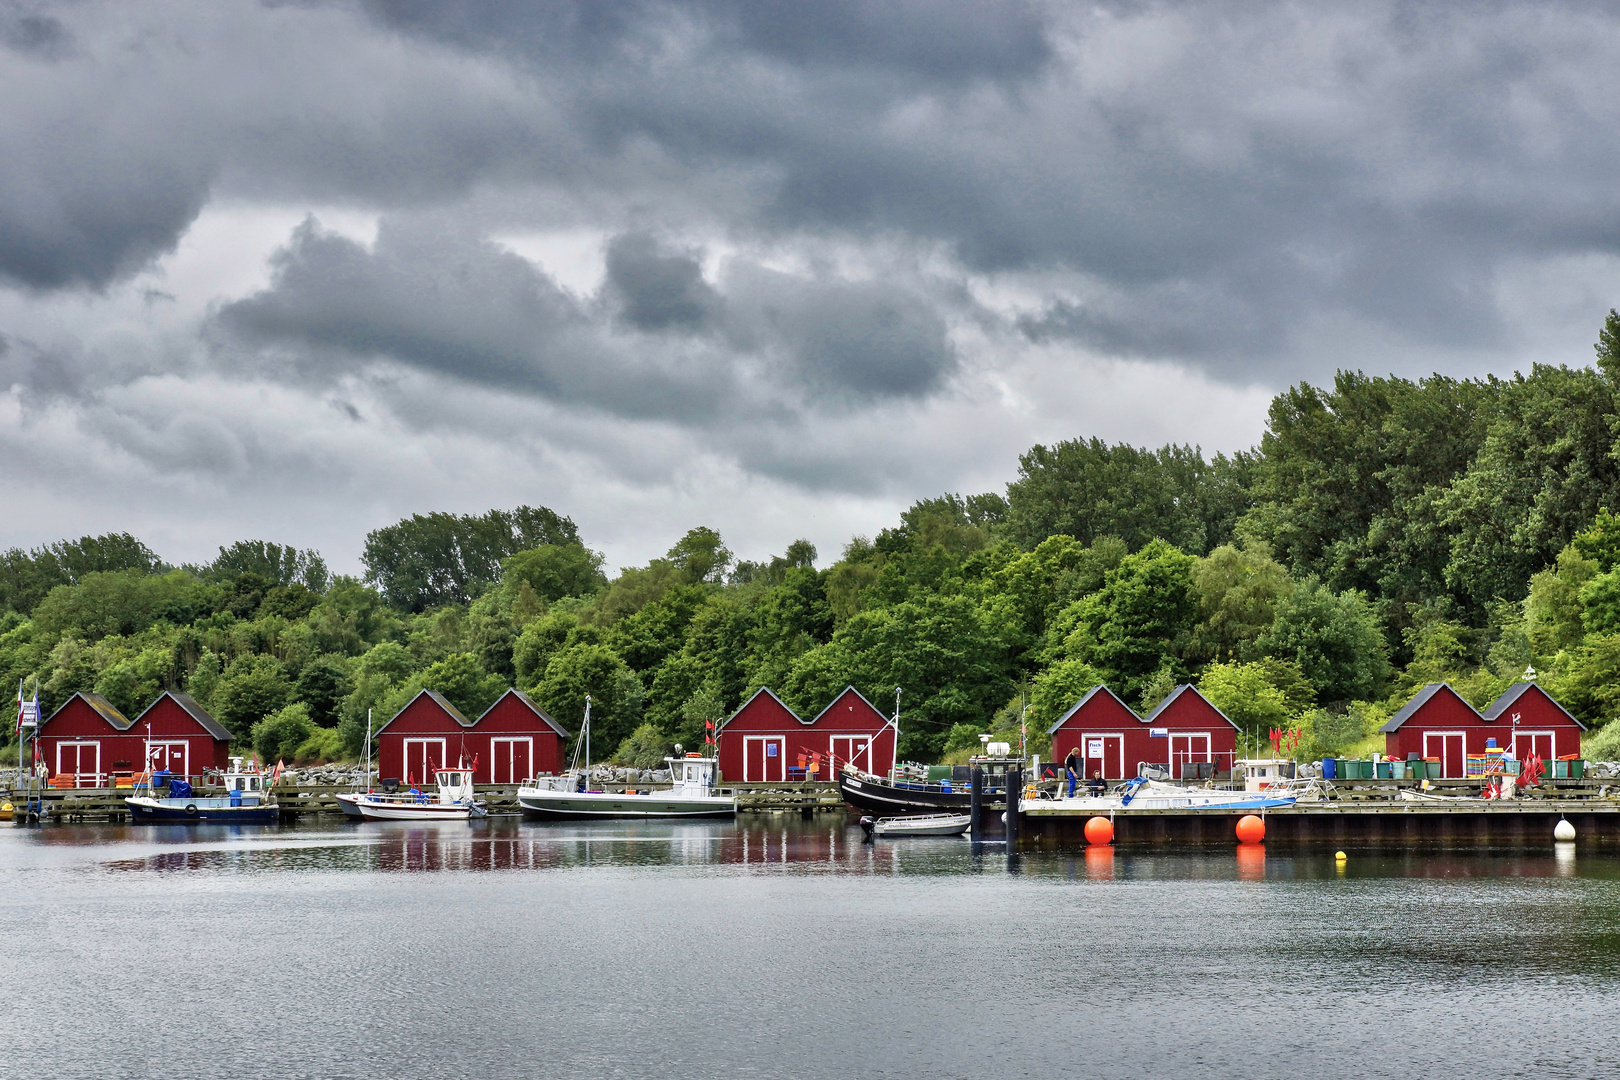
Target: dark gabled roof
(521, 696)
(840, 696)
(106, 708)
(1093, 692)
(439, 699)
(1420, 699)
(750, 701)
(1184, 688)
(194, 710)
(1496, 708)
(108, 711)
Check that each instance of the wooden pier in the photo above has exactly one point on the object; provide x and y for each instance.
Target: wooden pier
(1353, 818)
(107, 804)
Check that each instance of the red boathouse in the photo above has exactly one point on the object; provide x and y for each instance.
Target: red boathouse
(764, 740)
(511, 741)
(90, 740)
(1113, 740)
(1535, 723)
(1438, 724)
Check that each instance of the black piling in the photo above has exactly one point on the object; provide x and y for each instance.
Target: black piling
(976, 805)
(1015, 789)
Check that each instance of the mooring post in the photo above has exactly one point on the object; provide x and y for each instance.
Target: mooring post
(1015, 788)
(976, 804)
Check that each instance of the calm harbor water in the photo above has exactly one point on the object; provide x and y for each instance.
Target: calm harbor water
(778, 947)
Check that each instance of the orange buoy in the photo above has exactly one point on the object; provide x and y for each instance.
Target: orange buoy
(1251, 829)
(1099, 831)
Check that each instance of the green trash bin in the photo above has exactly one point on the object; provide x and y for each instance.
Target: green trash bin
(1577, 769)
(1560, 770)
(1397, 770)
(1384, 770)
(1415, 770)
(1341, 768)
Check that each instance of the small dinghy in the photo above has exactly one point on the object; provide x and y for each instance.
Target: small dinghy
(920, 825)
(455, 801)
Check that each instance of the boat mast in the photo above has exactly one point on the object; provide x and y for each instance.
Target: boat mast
(896, 723)
(587, 734)
(366, 782)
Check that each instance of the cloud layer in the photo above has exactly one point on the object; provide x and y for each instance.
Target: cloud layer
(838, 254)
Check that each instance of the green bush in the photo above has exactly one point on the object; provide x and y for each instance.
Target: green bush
(322, 745)
(644, 748)
(279, 736)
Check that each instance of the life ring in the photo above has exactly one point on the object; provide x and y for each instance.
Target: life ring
(191, 809)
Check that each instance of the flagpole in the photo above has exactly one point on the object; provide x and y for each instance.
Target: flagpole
(20, 732)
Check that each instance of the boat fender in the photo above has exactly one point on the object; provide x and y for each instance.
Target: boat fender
(191, 809)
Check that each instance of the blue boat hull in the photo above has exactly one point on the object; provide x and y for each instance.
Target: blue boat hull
(190, 812)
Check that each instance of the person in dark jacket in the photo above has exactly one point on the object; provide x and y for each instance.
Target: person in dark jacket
(1071, 768)
(1096, 787)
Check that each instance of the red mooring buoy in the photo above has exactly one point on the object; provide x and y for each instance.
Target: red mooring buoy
(1099, 831)
(1250, 829)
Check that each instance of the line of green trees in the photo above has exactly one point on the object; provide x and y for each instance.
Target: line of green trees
(1384, 534)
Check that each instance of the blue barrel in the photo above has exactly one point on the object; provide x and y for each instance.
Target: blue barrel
(1329, 769)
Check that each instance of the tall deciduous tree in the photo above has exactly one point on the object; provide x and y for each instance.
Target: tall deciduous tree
(430, 559)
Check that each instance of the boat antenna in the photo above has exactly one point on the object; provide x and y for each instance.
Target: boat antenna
(1023, 728)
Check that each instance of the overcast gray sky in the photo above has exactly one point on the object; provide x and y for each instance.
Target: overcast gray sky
(291, 271)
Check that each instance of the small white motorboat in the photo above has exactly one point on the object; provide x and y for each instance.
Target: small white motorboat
(1144, 794)
(920, 825)
(454, 801)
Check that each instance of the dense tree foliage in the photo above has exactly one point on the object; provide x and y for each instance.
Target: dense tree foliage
(432, 559)
(1385, 533)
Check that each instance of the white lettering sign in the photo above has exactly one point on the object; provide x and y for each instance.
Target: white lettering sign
(1094, 748)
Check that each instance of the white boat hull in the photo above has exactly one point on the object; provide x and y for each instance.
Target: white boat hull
(348, 802)
(377, 810)
(929, 825)
(554, 805)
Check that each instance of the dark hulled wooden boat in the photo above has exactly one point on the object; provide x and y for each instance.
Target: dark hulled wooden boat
(892, 798)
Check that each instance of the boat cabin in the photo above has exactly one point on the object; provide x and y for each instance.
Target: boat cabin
(240, 779)
(692, 774)
(455, 785)
(1260, 774)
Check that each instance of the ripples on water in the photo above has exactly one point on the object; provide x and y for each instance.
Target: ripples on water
(779, 947)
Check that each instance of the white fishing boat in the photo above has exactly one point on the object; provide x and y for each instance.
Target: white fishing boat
(571, 795)
(454, 801)
(917, 825)
(349, 801)
(249, 798)
(1144, 794)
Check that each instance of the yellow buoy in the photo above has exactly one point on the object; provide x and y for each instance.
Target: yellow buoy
(1339, 856)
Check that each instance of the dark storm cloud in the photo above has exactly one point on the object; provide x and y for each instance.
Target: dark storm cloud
(457, 307)
(846, 340)
(938, 40)
(31, 33)
(463, 308)
(1198, 182)
(659, 289)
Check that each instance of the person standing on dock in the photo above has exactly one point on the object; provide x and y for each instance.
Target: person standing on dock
(1071, 767)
